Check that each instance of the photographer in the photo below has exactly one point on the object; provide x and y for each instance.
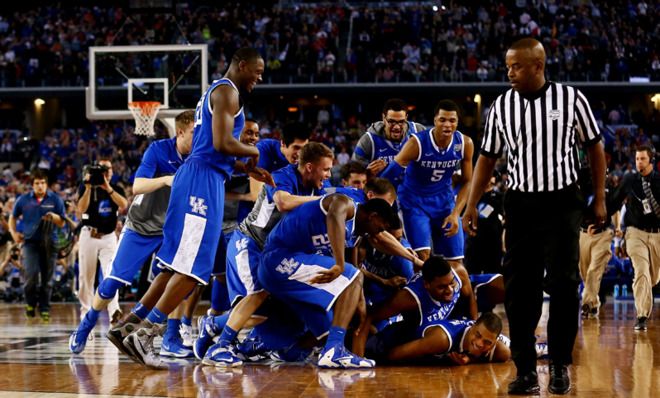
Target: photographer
(10, 275)
(98, 204)
(38, 209)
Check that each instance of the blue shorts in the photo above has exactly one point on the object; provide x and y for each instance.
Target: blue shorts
(424, 231)
(243, 257)
(193, 223)
(479, 280)
(133, 250)
(286, 275)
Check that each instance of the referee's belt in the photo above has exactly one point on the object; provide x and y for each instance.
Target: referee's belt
(652, 230)
(595, 230)
(94, 233)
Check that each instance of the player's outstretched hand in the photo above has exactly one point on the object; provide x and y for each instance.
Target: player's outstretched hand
(450, 225)
(375, 167)
(470, 220)
(328, 275)
(458, 358)
(396, 281)
(262, 175)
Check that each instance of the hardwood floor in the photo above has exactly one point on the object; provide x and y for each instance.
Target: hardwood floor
(611, 360)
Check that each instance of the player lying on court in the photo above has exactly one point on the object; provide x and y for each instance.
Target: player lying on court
(455, 341)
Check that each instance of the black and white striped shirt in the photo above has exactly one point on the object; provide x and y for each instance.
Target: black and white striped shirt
(540, 136)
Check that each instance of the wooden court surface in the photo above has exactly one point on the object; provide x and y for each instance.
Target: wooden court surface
(611, 360)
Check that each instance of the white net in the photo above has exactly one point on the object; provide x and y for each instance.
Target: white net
(144, 113)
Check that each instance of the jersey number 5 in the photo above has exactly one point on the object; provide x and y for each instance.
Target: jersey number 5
(437, 175)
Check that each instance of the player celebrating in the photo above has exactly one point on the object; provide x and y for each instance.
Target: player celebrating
(192, 229)
(430, 212)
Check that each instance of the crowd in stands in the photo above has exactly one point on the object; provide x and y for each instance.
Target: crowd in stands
(585, 40)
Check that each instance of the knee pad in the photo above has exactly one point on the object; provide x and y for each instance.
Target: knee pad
(108, 288)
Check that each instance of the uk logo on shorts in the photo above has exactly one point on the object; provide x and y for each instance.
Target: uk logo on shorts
(198, 206)
(287, 266)
(241, 244)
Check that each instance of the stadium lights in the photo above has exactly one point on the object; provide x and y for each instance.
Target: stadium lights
(39, 102)
(656, 101)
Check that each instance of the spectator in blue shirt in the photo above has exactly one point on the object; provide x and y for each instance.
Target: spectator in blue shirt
(38, 210)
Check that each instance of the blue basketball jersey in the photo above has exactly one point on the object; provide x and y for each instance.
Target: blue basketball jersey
(304, 229)
(430, 174)
(456, 330)
(386, 149)
(431, 310)
(264, 215)
(357, 195)
(270, 155)
(202, 147)
(160, 159)
(387, 266)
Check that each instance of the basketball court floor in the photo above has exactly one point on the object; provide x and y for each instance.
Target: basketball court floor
(611, 360)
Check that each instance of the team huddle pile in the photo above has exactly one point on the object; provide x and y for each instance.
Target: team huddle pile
(305, 261)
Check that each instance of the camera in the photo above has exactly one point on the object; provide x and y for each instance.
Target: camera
(15, 254)
(96, 174)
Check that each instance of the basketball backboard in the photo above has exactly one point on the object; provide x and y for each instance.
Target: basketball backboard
(174, 75)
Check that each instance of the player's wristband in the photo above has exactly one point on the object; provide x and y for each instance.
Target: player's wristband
(392, 171)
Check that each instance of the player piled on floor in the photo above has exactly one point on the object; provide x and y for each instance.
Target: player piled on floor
(280, 330)
(453, 341)
(430, 212)
(295, 184)
(192, 229)
(304, 265)
(429, 296)
(143, 231)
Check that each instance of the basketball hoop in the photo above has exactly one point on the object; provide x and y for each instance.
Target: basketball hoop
(144, 113)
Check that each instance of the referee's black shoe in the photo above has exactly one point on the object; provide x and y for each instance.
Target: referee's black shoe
(527, 384)
(560, 383)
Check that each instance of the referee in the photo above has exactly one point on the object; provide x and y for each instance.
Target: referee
(540, 123)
